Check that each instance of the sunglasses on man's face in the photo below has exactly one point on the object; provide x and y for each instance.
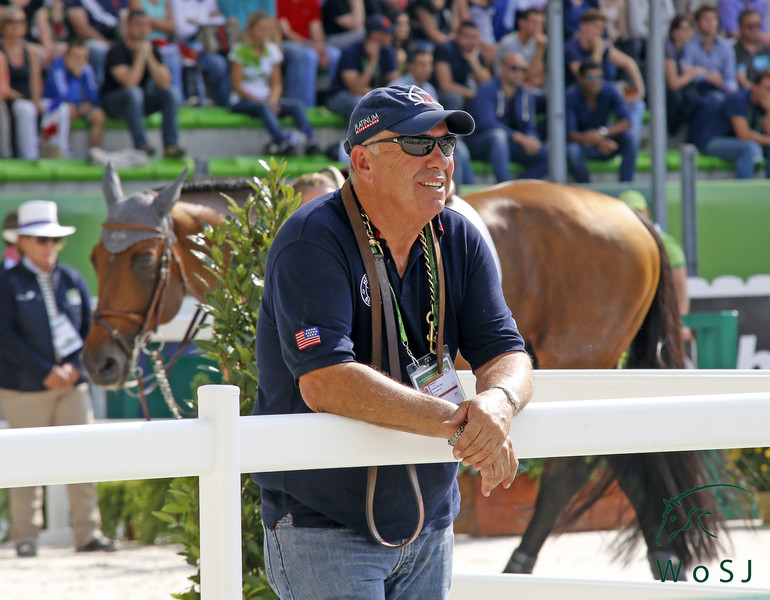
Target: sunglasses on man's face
(594, 78)
(47, 240)
(422, 145)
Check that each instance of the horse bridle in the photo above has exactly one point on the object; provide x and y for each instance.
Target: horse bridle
(139, 341)
(168, 253)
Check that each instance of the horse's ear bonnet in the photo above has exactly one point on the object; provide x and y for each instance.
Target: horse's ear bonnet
(166, 199)
(141, 208)
(113, 192)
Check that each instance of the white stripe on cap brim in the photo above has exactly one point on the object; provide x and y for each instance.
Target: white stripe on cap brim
(457, 121)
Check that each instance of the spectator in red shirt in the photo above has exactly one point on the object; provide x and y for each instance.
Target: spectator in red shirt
(304, 48)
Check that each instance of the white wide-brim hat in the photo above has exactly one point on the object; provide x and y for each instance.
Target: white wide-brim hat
(40, 217)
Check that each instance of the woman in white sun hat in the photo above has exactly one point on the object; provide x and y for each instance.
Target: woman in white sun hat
(45, 313)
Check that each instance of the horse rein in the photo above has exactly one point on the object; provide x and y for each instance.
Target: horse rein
(168, 253)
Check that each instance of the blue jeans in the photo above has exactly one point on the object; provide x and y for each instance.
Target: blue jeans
(211, 68)
(313, 563)
(301, 68)
(216, 70)
(577, 156)
(636, 116)
(495, 146)
(262, 110)
(172, 58)
(745, 153)
(133, 104)
(97, 58)
(342, 103)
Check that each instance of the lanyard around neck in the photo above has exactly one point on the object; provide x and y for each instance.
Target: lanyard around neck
(431, 264)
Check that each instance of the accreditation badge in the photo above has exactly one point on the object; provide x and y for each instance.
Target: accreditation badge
(66, 339)
(425, 377)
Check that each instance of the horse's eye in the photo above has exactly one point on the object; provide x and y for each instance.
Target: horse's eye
(144, 262)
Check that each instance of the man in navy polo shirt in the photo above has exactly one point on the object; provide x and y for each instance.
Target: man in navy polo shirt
(590, 105)
(589, 43)
(459, 67)
(364, 65)
(739, 130)
(314, 350)
(506, 123)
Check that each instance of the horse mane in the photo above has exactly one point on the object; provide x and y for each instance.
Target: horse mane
(214, 184)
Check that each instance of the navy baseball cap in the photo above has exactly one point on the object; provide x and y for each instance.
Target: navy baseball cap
(404, 110)
(379, 22)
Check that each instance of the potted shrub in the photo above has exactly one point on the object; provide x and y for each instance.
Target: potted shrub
(508, 512)
(504, 512)
(754, 467)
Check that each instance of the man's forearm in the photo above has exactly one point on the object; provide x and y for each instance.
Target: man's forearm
(360, 392)
(512, 370)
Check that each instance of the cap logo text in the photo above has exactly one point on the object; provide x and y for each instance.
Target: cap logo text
(366, 122)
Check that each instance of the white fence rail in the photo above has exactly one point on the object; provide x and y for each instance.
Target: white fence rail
(219, 445)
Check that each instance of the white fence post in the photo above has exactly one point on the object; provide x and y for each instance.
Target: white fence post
(220, 496)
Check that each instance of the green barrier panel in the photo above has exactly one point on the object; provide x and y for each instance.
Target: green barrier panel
(159, 169)
(673, 160)
(320, 116)
(643, 162)
(218, 117)
(52, 169)
(85, 211)
(732, 222)
(248, 166)
(113, 124)
(716, 335)
(604, 166)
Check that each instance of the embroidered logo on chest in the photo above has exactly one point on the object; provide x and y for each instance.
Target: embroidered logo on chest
(364, 288)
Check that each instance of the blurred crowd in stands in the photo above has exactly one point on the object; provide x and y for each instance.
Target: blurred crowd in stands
(63, 60)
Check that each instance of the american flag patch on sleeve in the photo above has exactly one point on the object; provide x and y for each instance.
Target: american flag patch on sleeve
(307, 337)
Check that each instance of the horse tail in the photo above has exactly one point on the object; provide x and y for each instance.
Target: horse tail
(650, 479)
(658, 343)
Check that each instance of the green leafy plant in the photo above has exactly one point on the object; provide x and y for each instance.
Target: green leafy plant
(754, 466)
(128, 508)
(236, 256)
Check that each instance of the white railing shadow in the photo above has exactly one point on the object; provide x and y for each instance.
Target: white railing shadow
(219, 446)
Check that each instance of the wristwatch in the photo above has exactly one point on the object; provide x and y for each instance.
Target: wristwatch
(604, 131)
(512, 396)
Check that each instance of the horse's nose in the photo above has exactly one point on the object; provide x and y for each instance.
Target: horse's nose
(105, 366)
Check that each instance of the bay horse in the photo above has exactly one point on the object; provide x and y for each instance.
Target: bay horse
(586, 279)
(145, 265)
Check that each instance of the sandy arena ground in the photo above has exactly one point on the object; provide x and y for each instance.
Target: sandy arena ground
(154, 572)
